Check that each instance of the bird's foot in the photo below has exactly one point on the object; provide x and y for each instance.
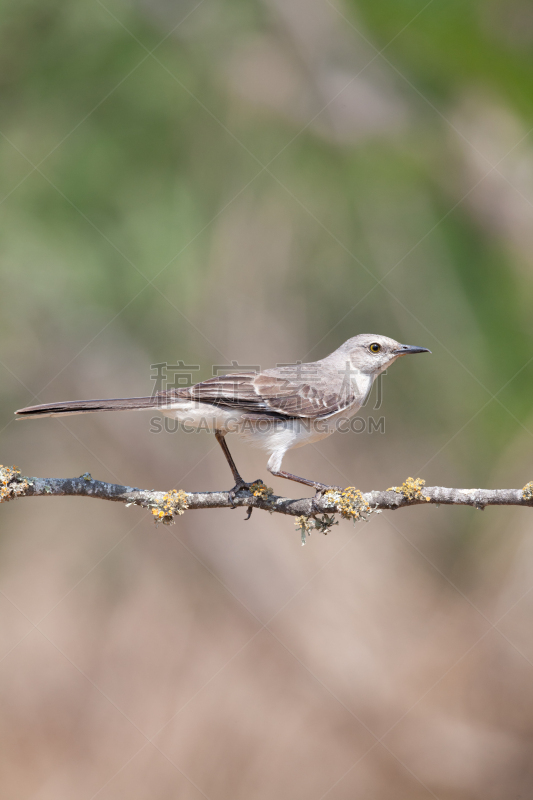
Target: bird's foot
(238, 487)
(321, 490)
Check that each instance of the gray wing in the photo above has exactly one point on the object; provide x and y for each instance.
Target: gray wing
(280, 395)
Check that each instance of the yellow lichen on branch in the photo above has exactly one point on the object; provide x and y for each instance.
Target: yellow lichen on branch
(527, 491)
(11, 485)
(172, 504)
(352, 504)
(411, 489)
(349, 502)
(261, 490)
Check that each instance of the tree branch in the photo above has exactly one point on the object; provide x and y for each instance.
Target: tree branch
(349, 503)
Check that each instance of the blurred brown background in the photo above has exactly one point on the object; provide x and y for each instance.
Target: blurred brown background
(258, 181)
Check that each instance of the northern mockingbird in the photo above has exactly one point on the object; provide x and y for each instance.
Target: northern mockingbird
(275, 409)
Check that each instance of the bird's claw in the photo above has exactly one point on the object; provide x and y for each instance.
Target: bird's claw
(232, 494)
(321, 489)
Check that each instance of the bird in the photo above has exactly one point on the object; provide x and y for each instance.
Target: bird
(276, 409)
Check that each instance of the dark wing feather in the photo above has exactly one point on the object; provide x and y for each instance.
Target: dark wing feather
(265, 393)
(232, 391)
(301, 398)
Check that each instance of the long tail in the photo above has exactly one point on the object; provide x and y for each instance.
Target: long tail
(83, 406)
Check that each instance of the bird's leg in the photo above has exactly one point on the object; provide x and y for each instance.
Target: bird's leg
(320, 487)
(239, 482)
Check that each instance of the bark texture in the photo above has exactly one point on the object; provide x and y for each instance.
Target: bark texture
(350, 503)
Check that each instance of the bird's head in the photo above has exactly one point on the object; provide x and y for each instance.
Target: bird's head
(371, 354)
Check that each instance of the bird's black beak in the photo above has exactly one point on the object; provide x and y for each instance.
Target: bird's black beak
(406, 349)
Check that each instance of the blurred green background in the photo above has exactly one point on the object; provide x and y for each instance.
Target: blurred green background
(260, 181)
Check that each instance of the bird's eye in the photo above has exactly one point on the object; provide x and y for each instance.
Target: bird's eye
(375, 347)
